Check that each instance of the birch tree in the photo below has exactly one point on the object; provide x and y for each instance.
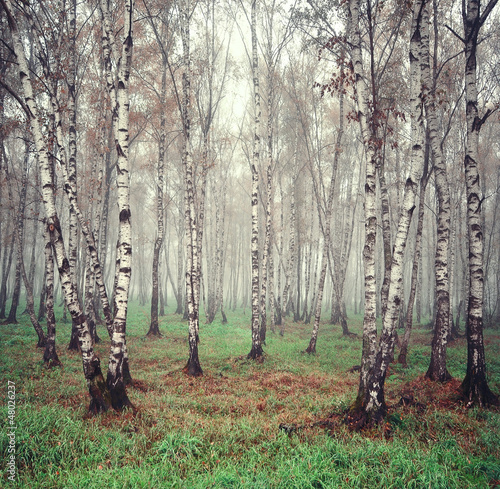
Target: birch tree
(369, 406)
(474, 386)
(256, 351)
(193, 366)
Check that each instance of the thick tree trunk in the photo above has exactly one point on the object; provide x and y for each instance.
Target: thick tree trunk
(474, 386)
(118, 371)
(370, 300)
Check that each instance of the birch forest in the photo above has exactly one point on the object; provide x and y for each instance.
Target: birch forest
(264, 225)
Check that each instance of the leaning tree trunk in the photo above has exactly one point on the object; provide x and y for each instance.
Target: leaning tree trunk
(326, 225)
(403, 351)
(256, 351)
(19, 241)
(30, 303)
(100, 398)
(474, 386)
(370, 405)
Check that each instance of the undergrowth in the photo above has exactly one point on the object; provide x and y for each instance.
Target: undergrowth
(223, 429)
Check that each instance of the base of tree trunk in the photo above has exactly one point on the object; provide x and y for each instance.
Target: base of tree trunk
(256, 353)
(100, 400)
(41, 342)
(10, 320)
(358, 417)
(311, 349)
(154, 330)
(475, 391)
(119, 398)
(224, 318)
(438, 377)
(193, 368)
(53, 362)
(402, 358)
(50, 357)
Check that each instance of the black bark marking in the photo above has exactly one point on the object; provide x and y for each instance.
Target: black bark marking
(124, 215)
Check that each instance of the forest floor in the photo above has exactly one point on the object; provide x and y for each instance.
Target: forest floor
(277, 424)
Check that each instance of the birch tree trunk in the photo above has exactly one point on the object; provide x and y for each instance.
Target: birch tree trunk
(474, 386)
(363, 116)
(437, 369)
(370, 406)
(18, 240)
(154, 329)
(72, 151)
(50, 356)
(118, 371)
(193, 367)
(256, 351)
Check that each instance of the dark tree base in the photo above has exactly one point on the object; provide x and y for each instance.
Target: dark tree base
(127, 378)
(119, 398)
(436, 377)
(256, 353)
(74, 345)
(154, 331)
(100, 401)
(42, 342)
(358, 418)
(475, 391)
(53, 362)
(193, 368)
(311, 349)
(402, 358)
(224, 318)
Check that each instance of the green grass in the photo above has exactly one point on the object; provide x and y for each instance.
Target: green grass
(222, 430)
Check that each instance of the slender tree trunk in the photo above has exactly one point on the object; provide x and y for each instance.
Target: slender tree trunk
(437, 369)
(256, 351)
(50, 356)
(326, 229)
(193, 367)
(19, 241)
(154, 329)
(403, 351)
